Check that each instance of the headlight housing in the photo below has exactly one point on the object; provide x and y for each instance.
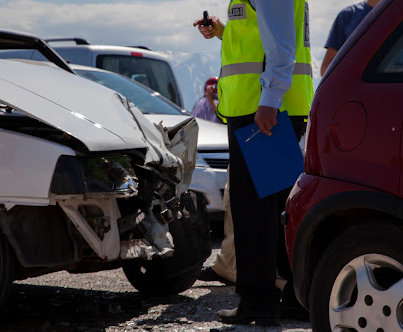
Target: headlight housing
(98, 174)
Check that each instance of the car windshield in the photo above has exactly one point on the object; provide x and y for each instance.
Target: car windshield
(153, 73)
(147, 101)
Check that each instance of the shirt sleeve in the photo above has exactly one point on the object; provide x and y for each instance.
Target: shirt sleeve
(336, 36)
(277, 32)
(198, 109)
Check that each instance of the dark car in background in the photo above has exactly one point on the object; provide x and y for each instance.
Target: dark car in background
(344, 215)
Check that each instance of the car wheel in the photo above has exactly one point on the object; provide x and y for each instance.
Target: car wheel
(358, 284)
(6, 269)
(173, 275)
(149, 278)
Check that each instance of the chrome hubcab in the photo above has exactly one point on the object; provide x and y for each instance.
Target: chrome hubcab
(368, 295)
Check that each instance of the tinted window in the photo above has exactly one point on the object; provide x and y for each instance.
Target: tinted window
(146, 100)
(387, 64)
(393, 61)
(153, 73)
(75, 54)
(17, 54)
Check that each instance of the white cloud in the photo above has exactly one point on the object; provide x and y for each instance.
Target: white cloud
(160, 24)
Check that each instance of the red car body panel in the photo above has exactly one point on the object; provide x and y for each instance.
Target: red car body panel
(354, 147)
(376, 123)
(307, 192)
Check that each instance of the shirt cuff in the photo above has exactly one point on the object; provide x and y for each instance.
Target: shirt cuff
(271, 97)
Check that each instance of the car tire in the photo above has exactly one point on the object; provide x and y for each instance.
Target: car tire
(358, 283)
(6, 269)
(150, 279)
(173, 275)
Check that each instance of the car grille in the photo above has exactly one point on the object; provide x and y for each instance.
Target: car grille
(216, 159)
(217, 163)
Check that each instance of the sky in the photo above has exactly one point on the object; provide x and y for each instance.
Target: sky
(162, 25)
(158, 24)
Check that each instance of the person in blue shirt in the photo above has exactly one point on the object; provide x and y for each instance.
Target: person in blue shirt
(256, 220)
(343, 26)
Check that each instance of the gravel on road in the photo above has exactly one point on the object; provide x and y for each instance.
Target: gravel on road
(106, 301)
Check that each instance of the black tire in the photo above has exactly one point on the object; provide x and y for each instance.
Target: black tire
(173, 275)
(375, 250)
(283, 264)
(6, 269)
(149, 278)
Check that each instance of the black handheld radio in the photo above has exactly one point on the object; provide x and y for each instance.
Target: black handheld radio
(206, 21)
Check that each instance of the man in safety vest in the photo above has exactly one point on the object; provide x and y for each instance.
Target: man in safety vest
(259, 61)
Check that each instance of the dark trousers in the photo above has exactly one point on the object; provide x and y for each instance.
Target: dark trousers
(256, 233)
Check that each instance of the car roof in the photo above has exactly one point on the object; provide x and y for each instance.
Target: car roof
(111, 49)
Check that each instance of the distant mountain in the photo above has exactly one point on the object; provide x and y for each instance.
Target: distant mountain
(193, 69)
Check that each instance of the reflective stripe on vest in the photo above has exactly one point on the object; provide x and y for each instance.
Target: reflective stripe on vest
(257, 68)
(242, 58)
(297, 100)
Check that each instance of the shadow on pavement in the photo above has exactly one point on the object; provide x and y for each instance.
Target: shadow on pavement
(64, 309)
(45, 308)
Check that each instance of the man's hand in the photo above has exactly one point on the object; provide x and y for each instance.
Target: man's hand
(266, 119)
(216, 29)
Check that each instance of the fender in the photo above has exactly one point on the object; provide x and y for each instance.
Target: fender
(303, 263)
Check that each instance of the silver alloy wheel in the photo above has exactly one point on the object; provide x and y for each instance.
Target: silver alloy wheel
(368, 295)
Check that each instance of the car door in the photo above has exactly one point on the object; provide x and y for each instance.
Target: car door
(385, 73)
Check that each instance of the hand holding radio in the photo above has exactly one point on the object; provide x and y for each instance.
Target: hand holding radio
(209, 26)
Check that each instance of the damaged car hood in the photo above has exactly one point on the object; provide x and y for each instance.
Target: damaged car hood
(212, 136)
(96, 115)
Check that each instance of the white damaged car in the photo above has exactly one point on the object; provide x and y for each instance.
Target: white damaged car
(151, 69)
(88, 183)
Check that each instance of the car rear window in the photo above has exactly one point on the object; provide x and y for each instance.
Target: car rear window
(387, 64)
(153, 73)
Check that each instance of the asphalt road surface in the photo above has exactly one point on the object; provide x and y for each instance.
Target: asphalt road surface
(106, 301)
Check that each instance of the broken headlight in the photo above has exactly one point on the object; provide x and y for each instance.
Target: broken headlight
(98, 174)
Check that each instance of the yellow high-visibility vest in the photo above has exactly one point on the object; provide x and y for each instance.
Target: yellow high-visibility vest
(243, 61)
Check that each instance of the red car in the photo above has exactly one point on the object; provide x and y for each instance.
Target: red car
(344, 215)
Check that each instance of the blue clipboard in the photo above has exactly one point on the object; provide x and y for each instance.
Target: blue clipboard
(275, 161)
